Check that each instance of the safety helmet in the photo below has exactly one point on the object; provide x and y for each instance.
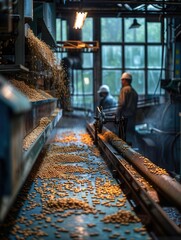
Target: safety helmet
(104, 88)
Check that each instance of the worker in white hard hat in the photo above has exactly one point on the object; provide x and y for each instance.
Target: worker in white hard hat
(106, 99)
(127, 103)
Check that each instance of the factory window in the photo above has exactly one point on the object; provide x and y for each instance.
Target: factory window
(155, 56)
(82, 89)
(61, 35)
(138, 80)
(58, 29)
(87, 30)
(134, 34)
(153, 82)
(139, 50)
(154, 32)
(134, 57)
(110, 78)
(111, 56)
(83, 82)
(87, 60)
(111, 30)
(61, 30)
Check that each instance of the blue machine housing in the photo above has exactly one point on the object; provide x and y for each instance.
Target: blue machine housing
(13, 106)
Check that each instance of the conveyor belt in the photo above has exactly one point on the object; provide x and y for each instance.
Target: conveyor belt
(144, 194)
(71, 194)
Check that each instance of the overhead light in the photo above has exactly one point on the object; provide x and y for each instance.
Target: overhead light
(135, 24)
(79, 19)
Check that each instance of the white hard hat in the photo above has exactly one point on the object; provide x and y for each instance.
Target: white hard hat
(126, 76)
(104, 88)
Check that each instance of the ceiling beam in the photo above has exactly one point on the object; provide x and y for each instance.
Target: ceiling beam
(147, 2)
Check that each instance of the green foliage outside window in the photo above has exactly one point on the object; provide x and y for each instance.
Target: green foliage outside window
(111, 30)
(87, 31)
(155, 56)
(154, 32)
(134, 57)
(111, 56)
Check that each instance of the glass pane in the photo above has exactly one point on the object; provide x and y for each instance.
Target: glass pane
(111, 30)
(111, 56)
(154, 31)
(134, 56)
(77, 82)
(85, 102)
(83, 82)
(64, 54)
(64, 31)
(165, 30)
(154, 82)
(138, 80)
(87, 30)
(88, 81)
(134, 34)
(112, 79)
(60, 56)
(58, 29)
(155, 56)
(87, 60)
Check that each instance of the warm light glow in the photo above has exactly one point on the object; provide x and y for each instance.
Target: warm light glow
(79, 19)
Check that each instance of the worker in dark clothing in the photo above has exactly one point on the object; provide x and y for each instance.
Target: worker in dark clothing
(127, 104)
(107, 100)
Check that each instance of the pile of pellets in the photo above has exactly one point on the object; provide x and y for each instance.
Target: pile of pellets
(144, 183)
(66, 138)
(122, 216)
(52, 167)
(64, 149)
(45, 94)
(69, 203)
(153, 168)
(40, 50)
(75, 189)
(30, 138)
(69, 158)
(107, 189)
(111, 137)
(31, 93)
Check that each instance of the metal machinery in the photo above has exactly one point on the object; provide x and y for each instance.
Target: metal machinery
(18, 116)
(161, 137)
(103, 118)
(13, 107)
(130, 168)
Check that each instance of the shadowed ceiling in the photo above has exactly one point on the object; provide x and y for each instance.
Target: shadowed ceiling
(124, 8)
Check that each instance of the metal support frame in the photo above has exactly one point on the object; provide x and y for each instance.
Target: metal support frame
(29, 157)
(20, 40)
(64, 46)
